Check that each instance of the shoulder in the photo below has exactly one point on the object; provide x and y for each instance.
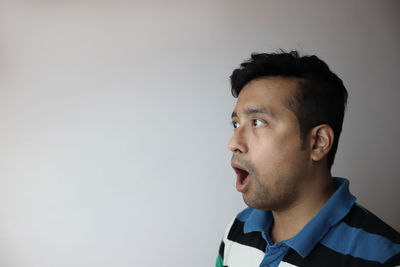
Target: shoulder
(363, 235)
(363, 219)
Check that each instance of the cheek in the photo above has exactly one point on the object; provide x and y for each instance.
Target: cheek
(263, 153)
(277, 156)
(267, 160)
(269, 150)
(275, 147)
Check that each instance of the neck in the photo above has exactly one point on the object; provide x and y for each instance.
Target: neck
(289, 221)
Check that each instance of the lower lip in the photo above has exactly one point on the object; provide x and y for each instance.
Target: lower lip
(242, 185)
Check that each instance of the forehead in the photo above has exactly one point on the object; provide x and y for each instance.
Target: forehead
(272, 93)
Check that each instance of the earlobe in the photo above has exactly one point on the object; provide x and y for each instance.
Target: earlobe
(322, 140)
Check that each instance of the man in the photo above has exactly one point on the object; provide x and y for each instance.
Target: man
(287, 122)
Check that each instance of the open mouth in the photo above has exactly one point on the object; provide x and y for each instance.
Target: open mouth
(243, 178)
(242, 174)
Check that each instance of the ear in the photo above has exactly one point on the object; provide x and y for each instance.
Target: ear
(322, 137)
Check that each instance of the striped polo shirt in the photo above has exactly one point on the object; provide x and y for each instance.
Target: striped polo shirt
(342, 234)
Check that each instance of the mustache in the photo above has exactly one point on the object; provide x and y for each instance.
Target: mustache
(244, 163)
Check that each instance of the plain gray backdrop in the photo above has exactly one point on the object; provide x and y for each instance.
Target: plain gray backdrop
(115, 119)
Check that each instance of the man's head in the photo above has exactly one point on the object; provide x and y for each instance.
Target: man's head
(286, 121)
(321, 98)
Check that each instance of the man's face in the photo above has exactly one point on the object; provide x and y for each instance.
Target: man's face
(268, 158)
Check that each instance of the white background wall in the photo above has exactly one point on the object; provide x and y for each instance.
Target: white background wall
(114, 120)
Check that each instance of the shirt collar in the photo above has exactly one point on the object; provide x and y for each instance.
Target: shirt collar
(258, 220)
(331, 213)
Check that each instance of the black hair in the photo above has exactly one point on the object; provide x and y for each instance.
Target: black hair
(322, 97)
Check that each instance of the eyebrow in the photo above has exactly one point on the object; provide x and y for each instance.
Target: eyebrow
(251, 111)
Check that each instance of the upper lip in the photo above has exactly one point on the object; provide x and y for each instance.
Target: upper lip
(237, 167)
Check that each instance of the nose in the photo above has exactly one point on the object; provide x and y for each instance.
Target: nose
(238, 144)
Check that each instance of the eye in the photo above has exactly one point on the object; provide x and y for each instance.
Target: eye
(257, 123)
(235, 124)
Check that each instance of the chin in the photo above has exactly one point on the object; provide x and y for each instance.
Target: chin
(256, 204)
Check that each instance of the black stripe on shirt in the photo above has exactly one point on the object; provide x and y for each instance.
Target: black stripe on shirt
(253, 239)
(361, 218)
(324, 256)
(393, 261)
(222, 249)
